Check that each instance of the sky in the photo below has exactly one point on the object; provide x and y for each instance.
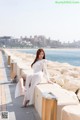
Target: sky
(40, 17)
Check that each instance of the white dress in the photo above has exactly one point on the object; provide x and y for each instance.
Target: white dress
(39, 75)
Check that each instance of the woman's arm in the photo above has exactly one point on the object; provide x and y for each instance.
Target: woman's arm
(46, 71)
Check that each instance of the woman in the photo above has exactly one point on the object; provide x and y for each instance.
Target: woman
(39, 75)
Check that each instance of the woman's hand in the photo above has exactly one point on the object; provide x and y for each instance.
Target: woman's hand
(50, 82)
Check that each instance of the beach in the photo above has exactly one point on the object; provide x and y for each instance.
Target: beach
(64, 74)
(70, 56)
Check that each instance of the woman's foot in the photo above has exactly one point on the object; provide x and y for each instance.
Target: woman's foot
(25, 104)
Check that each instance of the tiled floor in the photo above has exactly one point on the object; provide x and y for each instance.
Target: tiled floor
(7, 100)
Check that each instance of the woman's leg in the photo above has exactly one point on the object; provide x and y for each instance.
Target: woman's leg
(25, 101)
(20, 87)
(36, 79)
(27, 94)
(22, 82)
(31, 82)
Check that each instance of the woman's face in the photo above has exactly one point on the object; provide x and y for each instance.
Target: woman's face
(41, 55)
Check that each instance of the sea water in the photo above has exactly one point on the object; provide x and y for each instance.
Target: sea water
(71, 56)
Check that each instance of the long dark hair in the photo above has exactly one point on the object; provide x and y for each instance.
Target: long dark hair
(37, 55)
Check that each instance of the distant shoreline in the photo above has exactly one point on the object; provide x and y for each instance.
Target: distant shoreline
(70, 56)
(42, 48)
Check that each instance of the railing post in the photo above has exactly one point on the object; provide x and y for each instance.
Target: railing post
(49, 107)
(9, 60)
